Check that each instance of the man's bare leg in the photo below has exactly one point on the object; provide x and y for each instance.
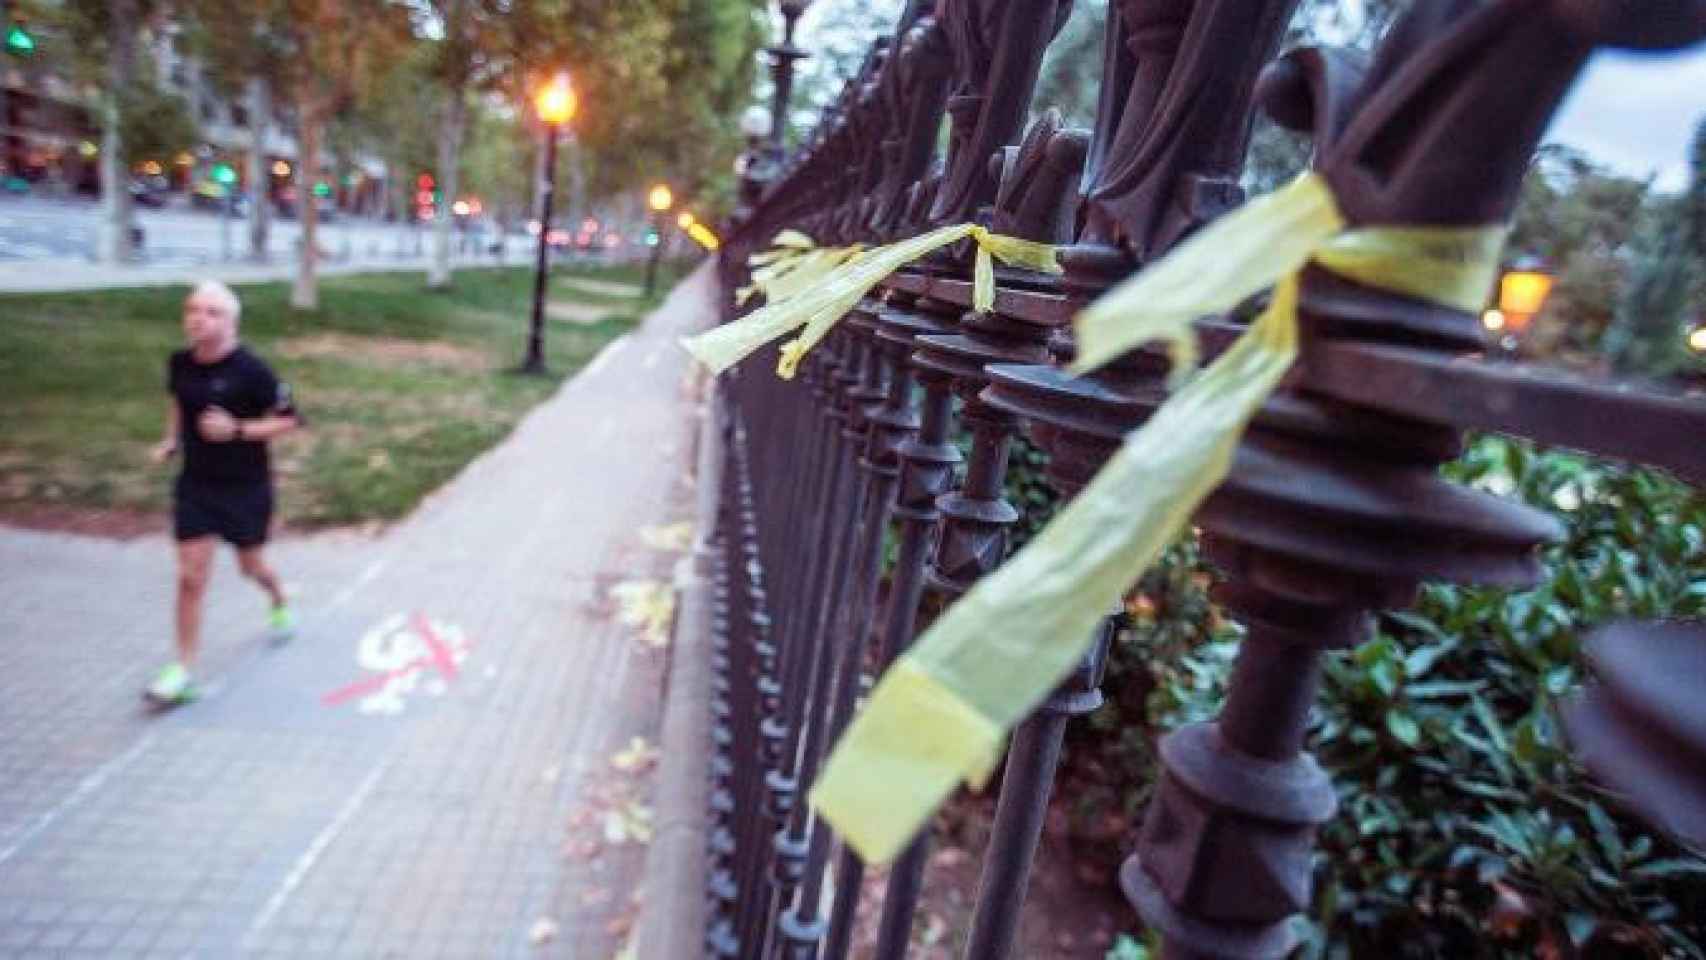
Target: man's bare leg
(195, 559)
(254, 566)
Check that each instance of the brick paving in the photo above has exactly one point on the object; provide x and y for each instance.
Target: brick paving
(261, 821)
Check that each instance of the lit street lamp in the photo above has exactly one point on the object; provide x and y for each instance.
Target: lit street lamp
(660, 200)
(1523, 290)
(1522, 293)
(556, 105)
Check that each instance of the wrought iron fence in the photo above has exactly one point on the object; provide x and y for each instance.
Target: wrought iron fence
(1333, 508)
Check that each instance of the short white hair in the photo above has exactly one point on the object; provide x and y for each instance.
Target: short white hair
(221, 292)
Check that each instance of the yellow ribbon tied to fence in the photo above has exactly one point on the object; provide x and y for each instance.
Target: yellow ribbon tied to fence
(941, 713)
(825, 295)
(789, 266)
(770, 268)
(787, 243)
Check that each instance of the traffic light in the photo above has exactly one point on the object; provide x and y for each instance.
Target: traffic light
(224, 173)
(322, 189)
(19, 41)
(651, 238)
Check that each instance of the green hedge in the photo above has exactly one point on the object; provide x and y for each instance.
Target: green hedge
(1464, 829)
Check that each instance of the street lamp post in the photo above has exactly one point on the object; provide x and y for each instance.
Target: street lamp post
(660, 200)
(753, 166)
(556, 104)
(782, 57)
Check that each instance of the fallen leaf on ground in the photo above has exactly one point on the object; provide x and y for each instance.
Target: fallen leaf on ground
(673, 536)
(543, 932)
(648, 605)
(629, 823)
(638, 755)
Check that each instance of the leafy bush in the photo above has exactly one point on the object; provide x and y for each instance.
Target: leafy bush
(1465, 829)
(1027, 491)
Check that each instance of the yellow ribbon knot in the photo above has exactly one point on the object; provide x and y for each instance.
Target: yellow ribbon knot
(815, 289)
(992, 657)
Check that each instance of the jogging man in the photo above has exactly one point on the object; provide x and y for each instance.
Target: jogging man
(226, 405)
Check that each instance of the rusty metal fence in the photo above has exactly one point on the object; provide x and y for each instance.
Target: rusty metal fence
(847, 510)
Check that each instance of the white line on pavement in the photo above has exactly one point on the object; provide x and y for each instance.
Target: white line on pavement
(321, 842)
(373, 570)
(90, 784)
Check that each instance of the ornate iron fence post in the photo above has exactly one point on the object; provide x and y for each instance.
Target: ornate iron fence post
(927, 464)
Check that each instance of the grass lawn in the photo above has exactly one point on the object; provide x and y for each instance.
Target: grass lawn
(402, 386)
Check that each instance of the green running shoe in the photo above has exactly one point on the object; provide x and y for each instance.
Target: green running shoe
(281, 624)
(173, 685)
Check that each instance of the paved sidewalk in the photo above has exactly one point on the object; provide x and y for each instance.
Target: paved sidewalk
(264, 820)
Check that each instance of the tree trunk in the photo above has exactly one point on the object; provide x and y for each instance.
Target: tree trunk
(116, 214)
(260, 172)
(305, 293)
(449, 159)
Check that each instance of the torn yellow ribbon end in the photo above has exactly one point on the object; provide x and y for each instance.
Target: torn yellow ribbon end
(921, 744)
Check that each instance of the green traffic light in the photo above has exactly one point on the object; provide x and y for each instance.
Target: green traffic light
(224, 173)
(19, 41)
(322, 189)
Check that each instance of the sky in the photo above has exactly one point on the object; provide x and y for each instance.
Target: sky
(1637, 113)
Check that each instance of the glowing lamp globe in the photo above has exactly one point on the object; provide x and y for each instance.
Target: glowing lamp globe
(661, 199)
(556, 103)
(1523, 291)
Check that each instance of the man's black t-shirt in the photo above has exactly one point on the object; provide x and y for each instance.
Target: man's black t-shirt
(242, 385)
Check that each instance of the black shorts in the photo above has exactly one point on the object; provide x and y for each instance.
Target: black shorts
(239, 513)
